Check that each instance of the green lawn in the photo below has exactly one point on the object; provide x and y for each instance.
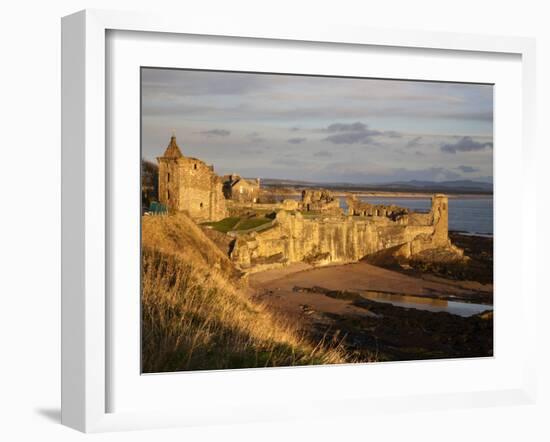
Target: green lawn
(236, 223)
(224, 225)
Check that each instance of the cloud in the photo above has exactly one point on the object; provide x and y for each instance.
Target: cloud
(350, 133)
(288, 162)
(251, 151)
(296, 140)
(468, 169)
(344, 127)
(347, 118)
(414, 142)
(392, 134)
(180, 82)
(232, 96)
(354, 173)
(465, 144)
(322, 154)
(255, 137)
(216, 133)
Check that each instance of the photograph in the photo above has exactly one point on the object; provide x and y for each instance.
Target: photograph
(301, 220)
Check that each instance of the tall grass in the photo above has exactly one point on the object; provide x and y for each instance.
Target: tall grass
(196, 317)
(195, 320)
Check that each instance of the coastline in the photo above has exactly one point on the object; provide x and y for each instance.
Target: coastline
(390, 313)
(385, 194)
(412, 195)
(474, 234)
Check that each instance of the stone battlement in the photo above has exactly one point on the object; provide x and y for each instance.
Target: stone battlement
(361, 208)
(340, 239)
(319, 200)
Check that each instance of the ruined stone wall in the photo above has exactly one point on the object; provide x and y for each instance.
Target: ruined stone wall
(289, 204)
(190, 185)
(440, 213)
(418, 219)
(200, 190)
(295, 238)
(169, 183)
(320, 200)
(361, 208)
(187, 184)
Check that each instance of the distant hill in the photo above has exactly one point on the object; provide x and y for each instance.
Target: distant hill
(458, 186)
(461, 184)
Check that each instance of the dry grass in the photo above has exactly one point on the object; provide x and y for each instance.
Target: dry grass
(196, 317)
(179, 235)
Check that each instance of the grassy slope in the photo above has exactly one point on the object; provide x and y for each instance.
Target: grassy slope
(195, 316)
(237, 223)
(225, 225)
(179, 235)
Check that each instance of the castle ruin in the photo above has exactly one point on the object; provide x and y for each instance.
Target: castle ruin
(320, 200)
(314, 229)
(190, 185)
(361, 208)
(344, 239)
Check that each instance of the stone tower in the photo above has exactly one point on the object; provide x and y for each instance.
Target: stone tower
(440, 213)
(190, 185)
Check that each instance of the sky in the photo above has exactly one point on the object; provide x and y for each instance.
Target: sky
(321, 129)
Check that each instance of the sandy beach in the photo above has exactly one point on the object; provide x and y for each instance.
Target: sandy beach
(382, 314)
(278, 287)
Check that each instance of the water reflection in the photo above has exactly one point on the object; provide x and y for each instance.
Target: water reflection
(433, 305)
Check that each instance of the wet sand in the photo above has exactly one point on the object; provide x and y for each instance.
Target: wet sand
(330, 303)
(362, 276)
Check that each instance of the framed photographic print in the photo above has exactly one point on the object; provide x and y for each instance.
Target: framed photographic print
(264, 224)
(331, 244)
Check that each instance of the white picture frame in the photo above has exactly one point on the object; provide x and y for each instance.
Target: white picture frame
(86, 352)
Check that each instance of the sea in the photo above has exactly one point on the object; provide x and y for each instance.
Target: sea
(469, 215)
(466, 215)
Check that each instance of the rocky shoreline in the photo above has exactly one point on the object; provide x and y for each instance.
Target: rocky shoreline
(392, 333)
(329, 305)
